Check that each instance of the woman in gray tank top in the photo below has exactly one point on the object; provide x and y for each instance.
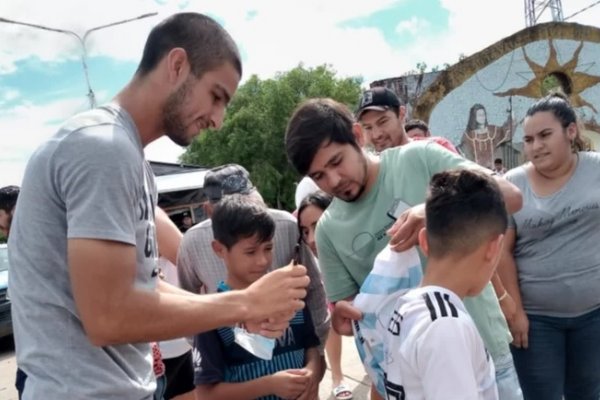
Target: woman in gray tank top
(551, 263)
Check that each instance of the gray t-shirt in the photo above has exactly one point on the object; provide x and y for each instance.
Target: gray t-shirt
(91, 181)
(557, 237)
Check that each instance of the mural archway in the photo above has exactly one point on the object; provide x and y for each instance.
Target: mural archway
(480, 102)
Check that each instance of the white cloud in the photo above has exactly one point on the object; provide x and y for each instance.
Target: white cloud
(412, 26)
(24, 127)
(274, 36)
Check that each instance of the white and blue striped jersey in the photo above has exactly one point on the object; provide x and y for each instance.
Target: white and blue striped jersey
(392, 275)
(433, 350)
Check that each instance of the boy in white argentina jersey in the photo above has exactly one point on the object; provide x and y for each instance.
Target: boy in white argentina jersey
(432, 347)
(393, 274)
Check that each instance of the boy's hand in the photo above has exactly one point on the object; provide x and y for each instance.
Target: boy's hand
(279, 292)
(405, 231)
(311, 391)
(289, 384)
(315, 369)
(342, 316)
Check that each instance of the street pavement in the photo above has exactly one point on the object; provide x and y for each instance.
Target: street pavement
(355, 376)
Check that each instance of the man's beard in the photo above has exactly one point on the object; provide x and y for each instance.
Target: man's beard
(362, 187)
(173, 124)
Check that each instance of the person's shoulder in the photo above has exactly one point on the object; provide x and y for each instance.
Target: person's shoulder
(198, 230)
(408, 153)
(591, 157)
(516, 174)
(281, 216)
(98, 131)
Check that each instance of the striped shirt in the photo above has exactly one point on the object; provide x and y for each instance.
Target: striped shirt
(433, 350)
(218, 358)
(392, 275)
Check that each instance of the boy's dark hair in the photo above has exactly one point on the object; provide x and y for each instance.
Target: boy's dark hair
(8, 197)
(498, 161)
(464, 208)
(314, 122)
(207, 44)
(238, 217)
(416, 123)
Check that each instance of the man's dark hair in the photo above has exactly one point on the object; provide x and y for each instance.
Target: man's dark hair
(498, 161)
(8, 197)
(313, 123)
(416, 123)
(238, 217)
(464, 208)
(207, 44)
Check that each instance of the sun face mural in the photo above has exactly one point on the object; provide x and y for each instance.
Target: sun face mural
(480, 103)
(556, 77)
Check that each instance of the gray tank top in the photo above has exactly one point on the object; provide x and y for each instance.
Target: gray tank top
(558, 241)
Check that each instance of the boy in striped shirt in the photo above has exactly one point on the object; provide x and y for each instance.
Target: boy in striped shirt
(223, 368)
(432, 347)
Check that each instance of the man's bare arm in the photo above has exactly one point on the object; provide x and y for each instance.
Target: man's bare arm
(168, 235)
(114, 310)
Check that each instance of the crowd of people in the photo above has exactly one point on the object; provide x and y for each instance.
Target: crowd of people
(457, 282)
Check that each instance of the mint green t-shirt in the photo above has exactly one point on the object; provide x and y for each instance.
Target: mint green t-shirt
(350, 235)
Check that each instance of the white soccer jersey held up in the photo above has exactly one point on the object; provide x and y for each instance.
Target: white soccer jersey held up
(433, 350)
(393, 274)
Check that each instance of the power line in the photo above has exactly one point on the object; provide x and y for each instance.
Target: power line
(583, 9)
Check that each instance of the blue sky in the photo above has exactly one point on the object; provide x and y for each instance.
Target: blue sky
(42, 81)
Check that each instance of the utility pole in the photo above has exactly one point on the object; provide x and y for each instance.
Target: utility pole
(91, 96)
(534, 9)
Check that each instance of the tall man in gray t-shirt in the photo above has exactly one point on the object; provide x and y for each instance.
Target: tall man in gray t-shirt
(84, 279)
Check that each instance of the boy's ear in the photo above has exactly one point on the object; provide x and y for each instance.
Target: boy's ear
(358, 134)
(219, 248)
(494, 248)
(423, 241)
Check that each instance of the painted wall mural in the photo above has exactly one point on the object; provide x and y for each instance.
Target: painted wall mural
(480, 103)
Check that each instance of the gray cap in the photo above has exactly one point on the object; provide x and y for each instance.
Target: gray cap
(227, 179)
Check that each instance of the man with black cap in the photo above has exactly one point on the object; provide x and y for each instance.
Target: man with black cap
(200, 270)
(382, 118)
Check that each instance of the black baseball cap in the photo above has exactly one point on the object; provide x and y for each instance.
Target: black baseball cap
(379, 98)
(227, 179)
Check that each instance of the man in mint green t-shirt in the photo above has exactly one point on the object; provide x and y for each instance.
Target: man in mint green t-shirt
(378, 201)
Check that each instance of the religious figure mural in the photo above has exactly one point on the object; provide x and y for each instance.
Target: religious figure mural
(480, 139)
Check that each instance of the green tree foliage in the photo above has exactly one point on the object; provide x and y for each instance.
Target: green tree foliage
(253, 131)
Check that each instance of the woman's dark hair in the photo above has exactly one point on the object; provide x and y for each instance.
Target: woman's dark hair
(319, 199)
(560, 107)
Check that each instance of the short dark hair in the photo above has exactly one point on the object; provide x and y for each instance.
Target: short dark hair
(238, 217)
(207, 44)
(8, 197)
(498, 161)
(314, 122)
(416, 124)
(464, 208)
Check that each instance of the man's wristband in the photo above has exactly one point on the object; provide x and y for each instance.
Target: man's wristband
(504, 295)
